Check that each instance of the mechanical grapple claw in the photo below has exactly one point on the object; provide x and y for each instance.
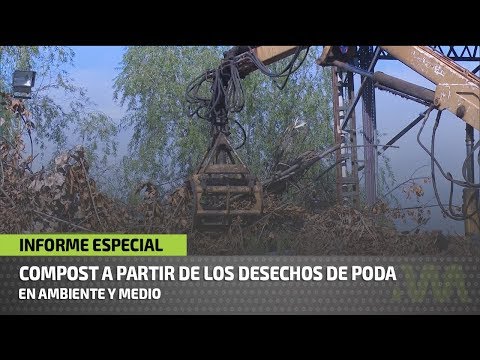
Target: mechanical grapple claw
(223, 187)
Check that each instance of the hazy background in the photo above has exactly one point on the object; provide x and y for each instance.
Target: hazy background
(97, 66)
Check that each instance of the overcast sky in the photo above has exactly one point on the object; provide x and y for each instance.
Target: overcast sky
(97, 66)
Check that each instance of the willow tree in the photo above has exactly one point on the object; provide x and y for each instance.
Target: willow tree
(167, 144)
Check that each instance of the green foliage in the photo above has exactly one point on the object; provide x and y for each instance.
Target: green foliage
(58, 107)
(167, 144)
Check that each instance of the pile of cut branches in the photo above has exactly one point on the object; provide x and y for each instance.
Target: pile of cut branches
(65, 199)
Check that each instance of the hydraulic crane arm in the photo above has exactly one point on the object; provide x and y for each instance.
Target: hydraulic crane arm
(266, 54)
(223, 186)
(457, 89)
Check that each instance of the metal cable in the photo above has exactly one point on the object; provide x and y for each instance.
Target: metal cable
(448, 176)
(227, 94)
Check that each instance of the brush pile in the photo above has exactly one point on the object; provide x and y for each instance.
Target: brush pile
(66, 199)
